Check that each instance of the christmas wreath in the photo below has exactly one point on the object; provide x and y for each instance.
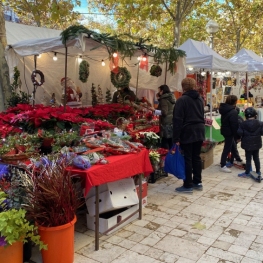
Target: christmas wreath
(83, 71)
(156, 70)
(34, 80)
(121, 78)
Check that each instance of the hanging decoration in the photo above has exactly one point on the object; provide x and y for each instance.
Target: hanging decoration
(125, 48)
(34, 80)
(156, 70)
(114, 63)
(122, 78)
(144, 62)
(83, 71)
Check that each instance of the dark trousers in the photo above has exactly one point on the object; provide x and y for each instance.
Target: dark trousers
(229, 146)
(193, 163)
(235, 153)
(255, 155)
(166, 143)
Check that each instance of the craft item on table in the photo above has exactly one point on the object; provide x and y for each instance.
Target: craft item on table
(81, 162)
(96, 158)
(119, 132)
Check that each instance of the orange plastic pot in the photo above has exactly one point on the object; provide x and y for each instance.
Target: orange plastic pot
(60, 243)
(12, 253)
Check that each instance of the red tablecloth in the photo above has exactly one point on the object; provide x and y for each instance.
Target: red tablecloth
(119, 167)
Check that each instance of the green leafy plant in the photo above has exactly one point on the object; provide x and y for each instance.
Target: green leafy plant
(15, 227)
(17, 96)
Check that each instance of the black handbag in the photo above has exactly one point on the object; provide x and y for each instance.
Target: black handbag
(167, 131)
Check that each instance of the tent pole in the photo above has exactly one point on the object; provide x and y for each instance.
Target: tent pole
(35, 86)
(137, 80)
(165, 75)
(211, 103)
(65, 84)
(247, 88)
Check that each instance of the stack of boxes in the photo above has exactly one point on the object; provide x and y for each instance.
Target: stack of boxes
(118, 201)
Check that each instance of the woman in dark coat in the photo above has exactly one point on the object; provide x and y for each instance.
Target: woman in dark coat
(229, 126)
(165, 110)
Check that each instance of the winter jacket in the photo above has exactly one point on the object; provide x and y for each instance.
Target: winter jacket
(229, 120)
(250, 132)
(166, 106)
(188, 118)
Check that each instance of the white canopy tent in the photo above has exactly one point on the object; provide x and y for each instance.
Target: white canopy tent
(254, 62)
(199, 55)
(26, 41)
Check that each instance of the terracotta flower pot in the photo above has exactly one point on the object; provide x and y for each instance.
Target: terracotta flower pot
(60, 243)
(12, 253)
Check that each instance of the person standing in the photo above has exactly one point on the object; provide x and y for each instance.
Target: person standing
(165, 111)
(229, 126)
(189, 133)
(251, 131)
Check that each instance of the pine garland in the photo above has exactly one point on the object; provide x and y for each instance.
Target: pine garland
(125, 48)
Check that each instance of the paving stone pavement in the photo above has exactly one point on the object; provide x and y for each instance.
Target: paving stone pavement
(221, 224)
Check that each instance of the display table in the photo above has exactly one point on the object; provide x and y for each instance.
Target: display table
(216, 134)
(119, 167)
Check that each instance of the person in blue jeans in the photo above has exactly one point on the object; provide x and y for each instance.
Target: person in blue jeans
(251, 131)
(189, 133)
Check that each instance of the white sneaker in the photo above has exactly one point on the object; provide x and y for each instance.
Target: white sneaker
(239, 163)
(225, 170)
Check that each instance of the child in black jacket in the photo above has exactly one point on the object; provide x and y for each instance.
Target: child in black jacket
(251, 131)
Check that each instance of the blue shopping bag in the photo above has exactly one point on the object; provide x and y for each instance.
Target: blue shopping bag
(174, 162)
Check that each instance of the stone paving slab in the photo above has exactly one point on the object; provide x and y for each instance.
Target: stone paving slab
(221, 224)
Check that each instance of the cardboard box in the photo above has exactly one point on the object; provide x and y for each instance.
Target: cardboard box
(144, 193)
(116, 195)
(207, 158)
(110, 219)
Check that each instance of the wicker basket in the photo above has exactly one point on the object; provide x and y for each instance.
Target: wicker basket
(14, 158)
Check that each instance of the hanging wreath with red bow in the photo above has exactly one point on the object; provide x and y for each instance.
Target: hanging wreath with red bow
(34, 80)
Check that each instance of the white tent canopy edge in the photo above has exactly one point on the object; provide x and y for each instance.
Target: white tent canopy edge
(21, 54)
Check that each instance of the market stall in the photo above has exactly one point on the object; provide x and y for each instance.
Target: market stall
(202, 58)
(24, 52)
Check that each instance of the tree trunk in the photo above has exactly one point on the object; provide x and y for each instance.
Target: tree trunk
(4, 70)
(238, 40)
(177, 32)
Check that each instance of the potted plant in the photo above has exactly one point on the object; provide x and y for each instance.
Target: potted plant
(52, 201)
(15, 230)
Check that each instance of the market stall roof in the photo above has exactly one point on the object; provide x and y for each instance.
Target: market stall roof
(255, 62)
(199, 55)
(34, 41)
(18, 32)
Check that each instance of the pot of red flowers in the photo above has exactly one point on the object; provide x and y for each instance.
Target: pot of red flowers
(15, 229)
(52, 202)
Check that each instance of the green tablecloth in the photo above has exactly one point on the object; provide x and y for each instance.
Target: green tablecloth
(216, 135)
